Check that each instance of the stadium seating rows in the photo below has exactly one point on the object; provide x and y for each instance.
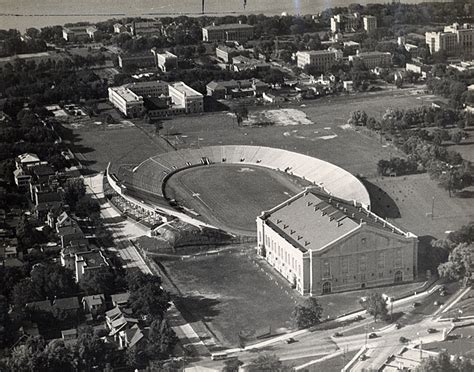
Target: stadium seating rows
(150, 174)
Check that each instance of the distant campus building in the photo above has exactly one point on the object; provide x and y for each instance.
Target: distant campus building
(323, 59)
(373, 59)
(157, 98)
(228, 32)
(455, 39)
(323, 244)
(79, 33)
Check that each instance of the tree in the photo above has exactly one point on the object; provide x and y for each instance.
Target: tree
(28, 357)
(5, 322)
(460, 263)
(358, 118)
(98, 281)
(57, 357)
(53, 281)
(375, 305)
(90, 352)
(307, 314)
(444, 363)
(267, 363)
(232, 365)
(147, 296)
(74, 189)
(161, 340)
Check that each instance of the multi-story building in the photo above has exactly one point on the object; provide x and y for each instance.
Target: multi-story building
(157, 98)
(127, 102)
(323, 244)
(88, 262)
(345, 23)
(323, 59)
(165, 61)
(150, 27)
(236, 88)
(455, 39)
(140, 60)
(119, 28)
(373, 59)
(79, 33)
(370, 23)
(419, 68)
(186, 97)
(228, 32)
(225, 53)
(155, 88)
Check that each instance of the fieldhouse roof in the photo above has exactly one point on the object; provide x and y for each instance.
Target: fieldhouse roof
(313, 219)
(229, 26)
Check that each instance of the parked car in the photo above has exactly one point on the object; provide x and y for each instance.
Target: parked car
(403, 340)
(373, 335)
(337, 334)
(398, 326)
(290, 340)
(432, 330)
(416, 304)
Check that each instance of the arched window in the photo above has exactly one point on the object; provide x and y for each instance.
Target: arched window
(327, 287)
(398, 277)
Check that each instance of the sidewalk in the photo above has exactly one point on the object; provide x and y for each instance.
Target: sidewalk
(122, 234)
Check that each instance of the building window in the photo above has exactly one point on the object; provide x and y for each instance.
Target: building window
(326, 269)
(363, 240)
(362, 263)
(344, 264)
(362, 277)
(381, 275)
(381, 260)
(398, 258)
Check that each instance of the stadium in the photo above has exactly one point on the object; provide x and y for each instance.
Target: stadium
(229, 186)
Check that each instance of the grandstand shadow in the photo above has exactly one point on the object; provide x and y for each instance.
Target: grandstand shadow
(380, 202)
(197, 308)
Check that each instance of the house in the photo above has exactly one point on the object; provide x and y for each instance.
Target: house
(68, 307)
(273, 98)
(119, 319)
(68, 253)
(120, 299)
(64, 220)
(119, 28)
(40, 306)
(89, 261)
(94, 304)
(69, 336)
(68, 234)
(133, 336)
(348, 85)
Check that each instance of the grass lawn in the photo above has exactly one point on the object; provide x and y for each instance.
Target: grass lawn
(231, 294)
(465, 307)
(230, 195)
(459, 342)
(97, 144)
(413, 196)
(341, 303)
(333, 364)
(327, 138)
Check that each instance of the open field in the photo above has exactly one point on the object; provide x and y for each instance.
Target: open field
(413, 196)
(328, 138)
(97, 144)
(230, 195)
(231, 294)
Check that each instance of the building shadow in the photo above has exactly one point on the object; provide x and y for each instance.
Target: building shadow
(381, 203)
(197, 308)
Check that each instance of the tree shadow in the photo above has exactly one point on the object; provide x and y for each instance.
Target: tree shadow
(429, 257)
(197, 308)
(381, 203)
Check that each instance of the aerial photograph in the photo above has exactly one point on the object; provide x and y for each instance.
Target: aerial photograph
(236, 185)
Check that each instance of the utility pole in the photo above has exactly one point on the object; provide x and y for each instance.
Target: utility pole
(432, 208)
(202, 6)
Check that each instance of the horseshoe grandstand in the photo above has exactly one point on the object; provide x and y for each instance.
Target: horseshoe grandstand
(151, 175)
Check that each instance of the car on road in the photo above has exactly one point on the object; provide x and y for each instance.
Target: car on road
(432, 330)
(398, 326)
(373, 335)
(337, 334)
(437, 303)
(403, 340)
(416, 304)
(290, 340)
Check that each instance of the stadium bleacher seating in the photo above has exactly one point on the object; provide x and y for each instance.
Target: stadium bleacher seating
(150, 174)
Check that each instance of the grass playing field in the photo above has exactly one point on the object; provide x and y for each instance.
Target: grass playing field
(231, 196)
(230, 293)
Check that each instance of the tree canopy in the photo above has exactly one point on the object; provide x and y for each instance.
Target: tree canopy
(268, 363)
(307, 314)
(375, 305)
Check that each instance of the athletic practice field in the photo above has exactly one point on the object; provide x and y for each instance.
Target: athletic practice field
(231, 196)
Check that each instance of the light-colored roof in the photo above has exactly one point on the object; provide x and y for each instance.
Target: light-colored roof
(183, 88)
(229, 26)
(313, 219)
(126, 94)
(28, 158)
